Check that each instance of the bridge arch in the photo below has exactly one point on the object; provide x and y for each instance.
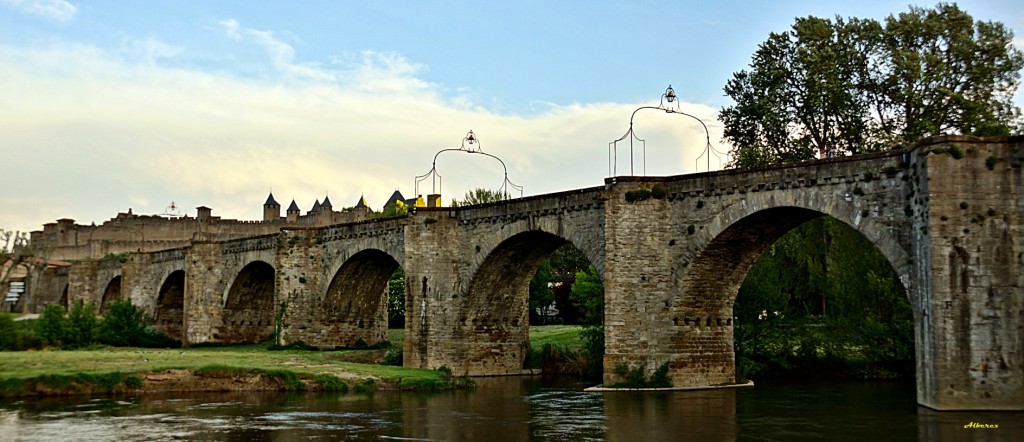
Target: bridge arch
(170, 305)
(723, 253)
(355, 302)
(492, 325)
(550, 229)
(248, 314)
(763, 211)
(110, 294)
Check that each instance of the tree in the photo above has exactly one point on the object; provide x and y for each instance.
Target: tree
(396, 299)
(855, 85)
(588, 295)
(396, 208)
(82, 325)
(124, 325)
(479, 196)
(540, 294)
(823, 297)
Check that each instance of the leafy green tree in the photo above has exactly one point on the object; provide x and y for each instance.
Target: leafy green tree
(856, 85)
(396, 299)
(51, 327)
(82, 325)
(393, 209)
(822, 297)
(588, 295)
(541, 295)
(479, 196)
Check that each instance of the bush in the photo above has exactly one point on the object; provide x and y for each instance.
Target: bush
(593, 345)
(9, 333)
(51, 327)
(637, 378)
(637, 195)
(82, 326)
(393, 357)
(126, 325)
(657, 193)
(123, 324)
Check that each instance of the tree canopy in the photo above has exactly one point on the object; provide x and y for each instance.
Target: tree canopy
(479, 196)
(839, 86)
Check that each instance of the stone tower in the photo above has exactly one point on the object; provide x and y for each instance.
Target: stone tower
(293, 212)
(271, 209)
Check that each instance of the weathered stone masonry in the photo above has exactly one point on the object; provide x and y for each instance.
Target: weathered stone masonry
(946, 214)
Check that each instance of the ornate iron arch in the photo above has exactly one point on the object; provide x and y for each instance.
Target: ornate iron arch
(469, 139)
(668, 97)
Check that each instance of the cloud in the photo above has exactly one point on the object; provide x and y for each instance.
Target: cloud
(58, 10)
(281, 53)
(93, 133)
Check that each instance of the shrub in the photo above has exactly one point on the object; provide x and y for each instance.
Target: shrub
(657, 193)
(637, 195)
(393, 357)
(636, 377)
(126, 325)
(82, 326)
(123, 324)
(593, 344)
(51, 327)
(9, 333)
(956, 152)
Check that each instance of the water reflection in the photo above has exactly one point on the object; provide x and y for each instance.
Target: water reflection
(687, 415)
(510, 409)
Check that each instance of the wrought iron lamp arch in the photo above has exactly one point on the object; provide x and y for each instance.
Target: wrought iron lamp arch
(470, 139)
(669, 96)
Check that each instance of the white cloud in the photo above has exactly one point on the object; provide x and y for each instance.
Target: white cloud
(281, 53)
(88, 134)
(59, 10)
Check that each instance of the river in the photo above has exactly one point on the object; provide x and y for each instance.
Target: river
(511, 409)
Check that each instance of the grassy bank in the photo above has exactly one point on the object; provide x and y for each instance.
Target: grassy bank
(254, 367)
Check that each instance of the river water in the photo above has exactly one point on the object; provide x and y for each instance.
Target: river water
(511, 409)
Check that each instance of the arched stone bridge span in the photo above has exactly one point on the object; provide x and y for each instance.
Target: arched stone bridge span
(672, 252)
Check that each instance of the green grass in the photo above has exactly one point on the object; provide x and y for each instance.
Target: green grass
(287, 365)
(110, 368)
(560, 335)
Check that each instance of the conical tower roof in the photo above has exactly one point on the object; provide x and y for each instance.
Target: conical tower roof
(362, 203)
(293, 207)
(271, 201)
(397, 196)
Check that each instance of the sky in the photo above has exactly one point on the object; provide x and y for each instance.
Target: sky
(107, 106)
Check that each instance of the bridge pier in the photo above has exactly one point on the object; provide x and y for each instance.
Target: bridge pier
(204, 288)
(969, 274)
(650, 321)
(434, 287)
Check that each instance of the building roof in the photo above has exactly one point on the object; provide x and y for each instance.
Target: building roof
(293, 207)
(362, 203)
(271, 201)
(316, 206)
(395, 197)
(327, 202)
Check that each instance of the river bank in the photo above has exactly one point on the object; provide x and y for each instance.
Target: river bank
(106, 370)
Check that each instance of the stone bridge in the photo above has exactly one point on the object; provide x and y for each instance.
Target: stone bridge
(672, 252)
